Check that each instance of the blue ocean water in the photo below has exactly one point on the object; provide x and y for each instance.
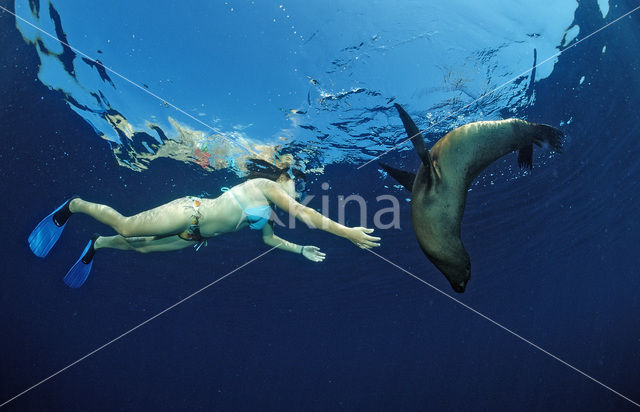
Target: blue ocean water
(554, 251)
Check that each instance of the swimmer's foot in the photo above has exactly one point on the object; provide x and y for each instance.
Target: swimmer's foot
(48, 231)
(81, 269)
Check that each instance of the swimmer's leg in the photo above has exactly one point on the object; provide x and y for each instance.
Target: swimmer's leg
(169, 219)
(143, 244)
(79, 272)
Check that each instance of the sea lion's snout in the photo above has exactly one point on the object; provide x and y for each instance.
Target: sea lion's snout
(457, 270)
(460, 286)
(459, 276)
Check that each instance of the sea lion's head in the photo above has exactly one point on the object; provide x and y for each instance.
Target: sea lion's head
(455, 266)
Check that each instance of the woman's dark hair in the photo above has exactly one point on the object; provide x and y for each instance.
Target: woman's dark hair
(259, 168)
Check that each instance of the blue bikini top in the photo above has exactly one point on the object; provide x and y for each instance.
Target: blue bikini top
(256, 216)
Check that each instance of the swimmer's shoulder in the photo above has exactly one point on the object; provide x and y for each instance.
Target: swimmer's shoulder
(252, 187)
(261, 183)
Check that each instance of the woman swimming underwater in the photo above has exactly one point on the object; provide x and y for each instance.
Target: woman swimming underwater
(190, 221)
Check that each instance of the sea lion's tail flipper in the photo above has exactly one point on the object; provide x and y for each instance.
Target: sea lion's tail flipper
(525, 156)
(544, 135)
(403, 177)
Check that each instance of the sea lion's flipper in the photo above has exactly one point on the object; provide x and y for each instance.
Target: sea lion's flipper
(414, 135)
(525, 156)
(416, 138)
(403, 177)
(546, 134)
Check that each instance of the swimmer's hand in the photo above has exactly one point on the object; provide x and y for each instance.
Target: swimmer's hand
(313, 253)
(360, 236)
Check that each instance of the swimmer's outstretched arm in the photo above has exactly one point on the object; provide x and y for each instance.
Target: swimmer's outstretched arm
(358, 235)
(310, 252)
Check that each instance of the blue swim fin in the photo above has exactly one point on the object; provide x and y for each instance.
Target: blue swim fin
(79, 272)
(46, 234)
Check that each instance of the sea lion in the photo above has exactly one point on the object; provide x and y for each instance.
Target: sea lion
(439, 189)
